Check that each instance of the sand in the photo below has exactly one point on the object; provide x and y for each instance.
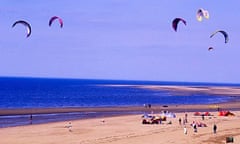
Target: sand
(126, 129)
(216, 90)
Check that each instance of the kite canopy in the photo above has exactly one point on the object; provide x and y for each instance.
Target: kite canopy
(222, 32)
(53, 19)
(199, 14)
(206, 14)
(27, 25)
(176, 21)
(202, 13)
(210, 48)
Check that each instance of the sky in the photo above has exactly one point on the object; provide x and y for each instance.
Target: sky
(121, 39)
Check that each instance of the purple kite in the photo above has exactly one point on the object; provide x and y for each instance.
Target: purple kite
(176, 21)
(210, 48)
(54, 18)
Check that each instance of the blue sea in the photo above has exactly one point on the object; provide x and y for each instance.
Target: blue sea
(20, 93)
(52, 92)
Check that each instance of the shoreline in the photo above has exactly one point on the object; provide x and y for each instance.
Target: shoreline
(232, 105)
(21, 117)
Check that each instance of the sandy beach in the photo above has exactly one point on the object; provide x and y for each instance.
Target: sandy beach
(123, 130)
(226, 90)
(128, 128)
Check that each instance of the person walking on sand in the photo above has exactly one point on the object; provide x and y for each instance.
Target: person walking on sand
(180, 121)
(195, 127)
(185, 130)
(214, 128)
(186, 115)
(70, 127)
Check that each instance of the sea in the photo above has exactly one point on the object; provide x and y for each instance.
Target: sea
(22, 92)
(53, 92)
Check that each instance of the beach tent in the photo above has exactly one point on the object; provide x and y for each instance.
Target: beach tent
(171, 115)
(146, 116)
(207, 114)
(197, 114)
(225, 113)
(230, 114)
(168, 114)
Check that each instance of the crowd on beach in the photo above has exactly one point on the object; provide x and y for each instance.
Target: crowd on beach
(199, 119)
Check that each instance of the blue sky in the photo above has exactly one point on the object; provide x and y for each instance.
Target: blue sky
(121, 39)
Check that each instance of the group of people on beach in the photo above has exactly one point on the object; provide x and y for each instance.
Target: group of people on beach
(195, 129)
(185, 120)
(147, 105)
(194, 125)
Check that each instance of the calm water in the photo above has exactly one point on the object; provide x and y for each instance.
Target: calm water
(42, 93)
(46, 93)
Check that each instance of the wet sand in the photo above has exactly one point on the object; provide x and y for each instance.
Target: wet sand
(235, 105)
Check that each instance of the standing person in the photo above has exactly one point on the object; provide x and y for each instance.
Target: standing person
(31, 118)
(70, 127)
(214, 128)
(202, 116)
(184, 121)
(195, 127)
(186, 118)
(185, 130)
(144, 105)
(149, 105)
(180, 121)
